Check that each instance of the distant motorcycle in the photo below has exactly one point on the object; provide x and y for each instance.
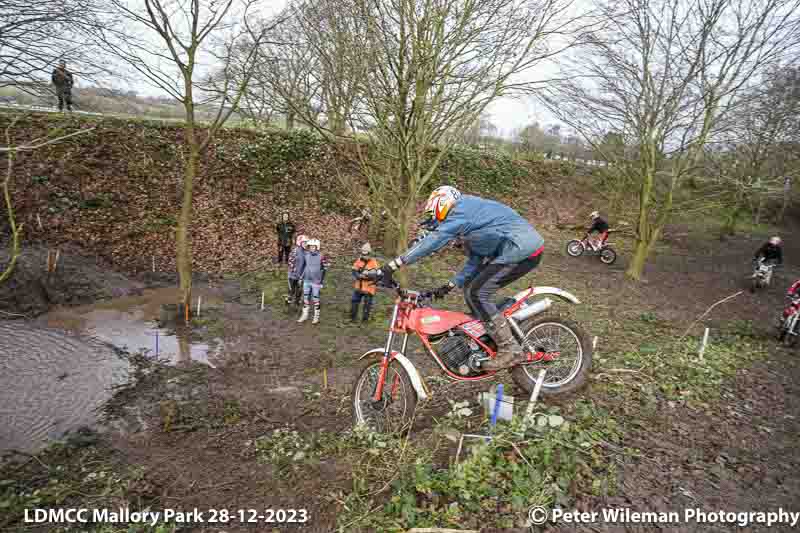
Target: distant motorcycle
(576, 248)
(762, 273)
(789, 329)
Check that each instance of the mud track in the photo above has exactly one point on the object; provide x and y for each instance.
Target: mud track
(737, 455)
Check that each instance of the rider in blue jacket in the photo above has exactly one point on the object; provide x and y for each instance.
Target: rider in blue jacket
(501, 245)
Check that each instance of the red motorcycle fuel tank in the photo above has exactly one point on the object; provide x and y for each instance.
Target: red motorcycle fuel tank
(433, 322)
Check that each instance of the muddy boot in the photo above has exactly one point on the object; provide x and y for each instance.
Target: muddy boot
(508, 349)
(316, 315)
(353, 311)
(304, 316)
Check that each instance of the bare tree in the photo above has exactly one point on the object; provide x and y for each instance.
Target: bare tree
(35, 35)
(185, 31)
(283, 77)
(434, 67)
(756, 146)
(661, 74)
(335, 38)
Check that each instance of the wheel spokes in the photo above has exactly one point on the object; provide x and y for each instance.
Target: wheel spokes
(560, 350)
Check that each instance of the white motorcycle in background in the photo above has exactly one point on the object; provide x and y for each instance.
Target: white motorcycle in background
(762, 274)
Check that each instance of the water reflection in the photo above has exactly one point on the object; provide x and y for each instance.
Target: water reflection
(131, 323)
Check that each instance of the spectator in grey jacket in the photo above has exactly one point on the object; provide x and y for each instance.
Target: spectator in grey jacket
(314, 266)
(296, 263)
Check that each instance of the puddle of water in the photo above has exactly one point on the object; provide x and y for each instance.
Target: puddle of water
(51, 383)
(130, 323)
(53, 379)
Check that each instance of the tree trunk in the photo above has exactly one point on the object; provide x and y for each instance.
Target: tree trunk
(182, 240)
(643, 241)
(729, 228)
(290, 120)
(759, 208)
(15, 230)
(636, 267)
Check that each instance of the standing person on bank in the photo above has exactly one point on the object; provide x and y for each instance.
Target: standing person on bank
(62, 81)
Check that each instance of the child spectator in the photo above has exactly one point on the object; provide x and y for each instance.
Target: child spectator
(364, 288)
(296, 262)
(314, 267)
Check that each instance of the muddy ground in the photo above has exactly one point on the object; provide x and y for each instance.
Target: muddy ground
(188, 432)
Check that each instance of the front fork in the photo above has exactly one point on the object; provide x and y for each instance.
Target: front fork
(387, 358)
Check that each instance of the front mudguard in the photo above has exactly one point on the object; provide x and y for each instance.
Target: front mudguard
(408, 366)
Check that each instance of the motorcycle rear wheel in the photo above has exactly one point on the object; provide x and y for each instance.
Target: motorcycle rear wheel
(525, 376)
(395, 411)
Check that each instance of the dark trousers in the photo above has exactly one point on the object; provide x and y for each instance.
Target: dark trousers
(64, 96)
(480, 290)
(295, 291)
(283, 252)
(356, 301)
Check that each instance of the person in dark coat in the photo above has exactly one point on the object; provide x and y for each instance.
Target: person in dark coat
(285, 230)
(62, 81)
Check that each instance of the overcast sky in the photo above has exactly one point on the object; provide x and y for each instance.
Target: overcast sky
(507, 114)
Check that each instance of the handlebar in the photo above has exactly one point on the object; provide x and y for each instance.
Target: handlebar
(375, 275)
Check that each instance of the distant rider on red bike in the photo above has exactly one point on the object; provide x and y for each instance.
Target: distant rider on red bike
(601, 227)
(791, 295)
(501, 245)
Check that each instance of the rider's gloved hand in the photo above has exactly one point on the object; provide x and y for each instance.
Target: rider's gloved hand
(387, 272)
(444, 290)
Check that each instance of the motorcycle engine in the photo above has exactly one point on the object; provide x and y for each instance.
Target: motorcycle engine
(458, 352)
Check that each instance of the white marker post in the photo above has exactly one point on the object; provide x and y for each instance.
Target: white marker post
(39, 220)
(703, 346)
(534, 397)
(262, 300)
(594, 343)
(154, 263)
(198, 305)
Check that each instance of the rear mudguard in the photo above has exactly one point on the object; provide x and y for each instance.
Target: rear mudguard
(551, 291)
(416, 379)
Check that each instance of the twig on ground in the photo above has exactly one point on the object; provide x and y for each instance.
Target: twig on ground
(610, 371)
(701, 317)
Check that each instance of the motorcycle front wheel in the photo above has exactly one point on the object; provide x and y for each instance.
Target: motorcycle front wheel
(394, 412)
(575, 248)
(755, 284)
(789, 337)
(567, 345)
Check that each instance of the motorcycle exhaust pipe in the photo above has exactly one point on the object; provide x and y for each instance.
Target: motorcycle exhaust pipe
(532, 309)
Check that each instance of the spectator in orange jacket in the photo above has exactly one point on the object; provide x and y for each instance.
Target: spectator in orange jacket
(364, 288)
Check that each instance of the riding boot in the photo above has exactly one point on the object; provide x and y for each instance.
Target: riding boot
(316, 314)
(304, 316)
(508, 349)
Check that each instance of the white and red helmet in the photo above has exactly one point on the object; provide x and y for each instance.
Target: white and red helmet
(441, 201)
(776, 241)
